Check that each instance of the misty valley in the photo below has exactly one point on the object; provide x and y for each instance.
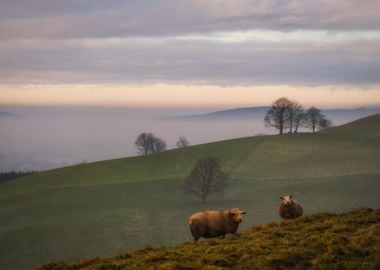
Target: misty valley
(41, 138)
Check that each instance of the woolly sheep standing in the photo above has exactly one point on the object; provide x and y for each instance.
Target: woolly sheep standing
(290, 208)
(210, 224)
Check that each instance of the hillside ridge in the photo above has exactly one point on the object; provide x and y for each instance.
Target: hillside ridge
(259, 146)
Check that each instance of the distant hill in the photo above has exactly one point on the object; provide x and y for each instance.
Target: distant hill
(321, 241)
(338, 116)
(7, 114)
(232, 114)
(113, 206)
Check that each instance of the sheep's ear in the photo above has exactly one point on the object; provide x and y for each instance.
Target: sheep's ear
(243, 212)
(282, 198)
(291, 196)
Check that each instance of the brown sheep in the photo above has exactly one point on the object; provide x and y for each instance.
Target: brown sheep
(210, 224)
(290, 208)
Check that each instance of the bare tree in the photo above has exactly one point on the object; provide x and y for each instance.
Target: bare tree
(182, 142)
(205, 178)
(144, 143)
(300, 120)
(325, 123)
(277, 115)
(316, 120)
(292, 115)
(147, 143)
(158, 145)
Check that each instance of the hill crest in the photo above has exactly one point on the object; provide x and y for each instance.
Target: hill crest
(254, 156)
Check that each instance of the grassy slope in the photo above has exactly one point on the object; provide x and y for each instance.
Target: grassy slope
(111, 206)
(348, 149)
(320, 241)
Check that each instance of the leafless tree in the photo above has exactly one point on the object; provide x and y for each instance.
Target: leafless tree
(182, 142)
(277, 116)
(292, 114)
(316, 120)
(300, 120)
(144, 143)
(205, 178)
(158, 145)
(325, 123)
(147, 143)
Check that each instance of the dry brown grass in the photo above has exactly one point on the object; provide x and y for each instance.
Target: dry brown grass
(322, 241)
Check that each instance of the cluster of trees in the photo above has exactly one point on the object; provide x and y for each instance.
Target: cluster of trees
(288, 116)
(147, 143)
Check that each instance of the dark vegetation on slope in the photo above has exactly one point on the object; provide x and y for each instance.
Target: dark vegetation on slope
(7, 176)
(320, 241)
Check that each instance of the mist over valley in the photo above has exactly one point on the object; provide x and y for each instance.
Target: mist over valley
(41, 138)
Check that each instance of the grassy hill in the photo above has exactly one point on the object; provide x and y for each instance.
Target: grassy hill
(321, 241)
(108, 207)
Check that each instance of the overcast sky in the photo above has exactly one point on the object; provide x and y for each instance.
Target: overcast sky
(173, 52)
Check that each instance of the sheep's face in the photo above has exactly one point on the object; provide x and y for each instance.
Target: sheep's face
(236, 215)
(287, 200)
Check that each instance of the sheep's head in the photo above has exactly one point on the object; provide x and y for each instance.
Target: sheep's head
(236, 214)
(287, 200)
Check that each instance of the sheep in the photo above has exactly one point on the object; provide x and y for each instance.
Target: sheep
(290, 208)
(210, 224)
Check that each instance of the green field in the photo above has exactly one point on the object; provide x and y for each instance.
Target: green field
(321, 241)
(109, 207)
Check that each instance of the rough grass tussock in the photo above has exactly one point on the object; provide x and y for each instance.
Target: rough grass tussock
(321, 241)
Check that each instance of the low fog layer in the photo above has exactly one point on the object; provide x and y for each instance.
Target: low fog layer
(41, 138)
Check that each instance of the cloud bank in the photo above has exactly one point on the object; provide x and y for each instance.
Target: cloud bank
(217, 42)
